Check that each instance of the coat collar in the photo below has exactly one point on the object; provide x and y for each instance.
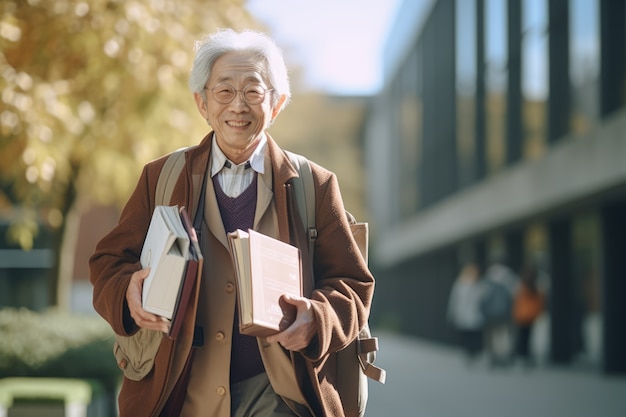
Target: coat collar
(272, 185)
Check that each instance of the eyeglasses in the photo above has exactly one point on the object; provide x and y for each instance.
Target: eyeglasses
(225, 93)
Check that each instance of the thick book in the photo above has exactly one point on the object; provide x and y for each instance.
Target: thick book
(265, 269)
(172, 253)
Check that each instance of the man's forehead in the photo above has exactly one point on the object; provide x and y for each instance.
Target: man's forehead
(238, 65)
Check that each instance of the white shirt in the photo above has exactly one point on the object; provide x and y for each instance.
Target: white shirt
(233, 178)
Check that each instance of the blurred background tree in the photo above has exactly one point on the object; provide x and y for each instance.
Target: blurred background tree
(91, 90)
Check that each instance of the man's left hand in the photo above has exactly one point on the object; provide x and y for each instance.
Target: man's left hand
(300, 333)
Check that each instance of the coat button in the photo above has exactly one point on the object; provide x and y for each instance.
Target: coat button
(122, 364)
(230, 287)
(219, 336)
(220, 390)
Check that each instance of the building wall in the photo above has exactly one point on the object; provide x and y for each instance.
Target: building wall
(504, 141)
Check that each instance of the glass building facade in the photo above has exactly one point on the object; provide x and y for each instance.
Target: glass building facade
(500, 134)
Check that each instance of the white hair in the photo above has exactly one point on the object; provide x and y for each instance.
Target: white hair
(210, 48)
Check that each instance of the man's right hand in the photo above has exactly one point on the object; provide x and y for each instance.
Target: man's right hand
(133, 298)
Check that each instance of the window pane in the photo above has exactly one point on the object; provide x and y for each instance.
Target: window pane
(496, 81)
(584, 64)
(466, 88)
(534, 77)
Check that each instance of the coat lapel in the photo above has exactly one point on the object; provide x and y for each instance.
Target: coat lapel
(212, 214)
(265, 194)
(283, 172)
(199, 159)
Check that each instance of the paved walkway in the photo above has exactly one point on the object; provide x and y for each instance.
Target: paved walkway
(429, 380)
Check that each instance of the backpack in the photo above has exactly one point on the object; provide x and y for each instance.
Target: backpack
(497, 302)
(527, 306)
(355, 363)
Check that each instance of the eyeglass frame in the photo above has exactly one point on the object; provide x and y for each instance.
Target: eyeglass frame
(238, 92)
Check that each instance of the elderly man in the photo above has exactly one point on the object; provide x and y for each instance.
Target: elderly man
(240, 85)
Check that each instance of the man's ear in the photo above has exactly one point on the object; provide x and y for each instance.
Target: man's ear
(201, 105)
(278, 106)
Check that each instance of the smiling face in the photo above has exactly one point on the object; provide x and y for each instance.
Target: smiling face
(238, 125)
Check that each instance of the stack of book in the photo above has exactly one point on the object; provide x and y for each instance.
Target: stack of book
(172, 252)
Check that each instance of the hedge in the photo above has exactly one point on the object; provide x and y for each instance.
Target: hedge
(57, 344)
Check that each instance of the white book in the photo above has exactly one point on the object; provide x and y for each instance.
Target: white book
(165, 251)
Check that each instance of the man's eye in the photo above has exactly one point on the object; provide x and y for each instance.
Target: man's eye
(254, 91)
(253, 95)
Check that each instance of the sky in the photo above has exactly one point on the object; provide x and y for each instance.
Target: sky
(337, 43)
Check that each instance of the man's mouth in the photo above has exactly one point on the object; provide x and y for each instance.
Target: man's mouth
(235, 123)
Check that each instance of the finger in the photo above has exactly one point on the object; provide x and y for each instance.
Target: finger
(158, 325)
(142, 317)
(145, 317)
(296, 303)
(140, 275)
(289, 311)
(162, 324)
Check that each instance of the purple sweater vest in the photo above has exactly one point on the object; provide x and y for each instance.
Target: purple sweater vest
(238, 213)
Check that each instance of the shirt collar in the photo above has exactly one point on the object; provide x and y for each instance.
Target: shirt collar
(257, 159)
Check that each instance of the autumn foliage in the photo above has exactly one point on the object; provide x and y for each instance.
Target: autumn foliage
(92, 89)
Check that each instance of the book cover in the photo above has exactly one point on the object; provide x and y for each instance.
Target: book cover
(166, 252)
(360, 232)
(190, 277)
(265, 268)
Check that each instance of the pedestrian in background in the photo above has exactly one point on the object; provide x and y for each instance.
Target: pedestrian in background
(496, 305)
(528, 305)
(464, 310)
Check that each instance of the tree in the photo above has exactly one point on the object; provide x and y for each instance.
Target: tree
(91, 90)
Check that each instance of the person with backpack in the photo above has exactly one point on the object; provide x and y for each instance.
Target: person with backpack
(237, 177)
(496, 305)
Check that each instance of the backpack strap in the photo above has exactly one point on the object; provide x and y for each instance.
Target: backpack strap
(366, 349)
(304, 188)
(305, 197)
(169, 175)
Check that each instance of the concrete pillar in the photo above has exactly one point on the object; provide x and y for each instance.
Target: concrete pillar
(481, 121)
(612, 56)
(514, 87)
(561, 290)
(558, 72)
(614, 291)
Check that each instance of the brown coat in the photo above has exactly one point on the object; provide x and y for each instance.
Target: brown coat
(341, 299)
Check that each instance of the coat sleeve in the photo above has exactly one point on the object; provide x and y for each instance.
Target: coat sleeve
(117, 254)
(344, 285)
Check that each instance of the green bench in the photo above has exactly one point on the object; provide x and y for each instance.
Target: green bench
(74, 393)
